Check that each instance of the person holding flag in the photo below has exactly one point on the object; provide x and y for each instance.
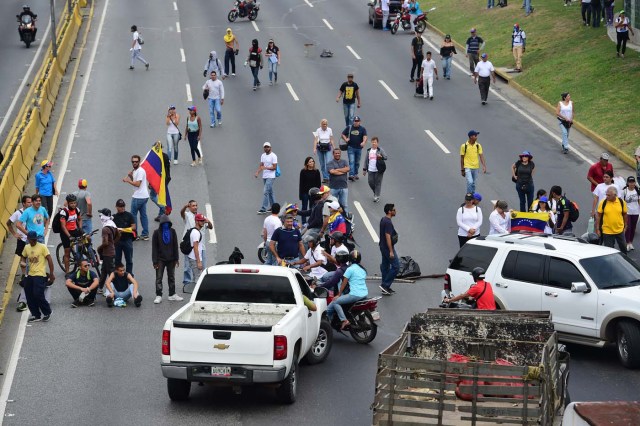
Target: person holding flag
(157, 168)
(153, 194)
(138, 179)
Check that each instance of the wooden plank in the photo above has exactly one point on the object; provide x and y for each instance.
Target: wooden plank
(386, 401)
(401, 382)
(500, 411)
(500, 390)
(502, 420)
(418, 414)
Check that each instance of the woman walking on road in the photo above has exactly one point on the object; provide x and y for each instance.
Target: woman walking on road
(255, 62)
(469, 219)
(447, 50)
(231, 50)
(323, 146)
(309, 178)
(375, 165)
(522, 174)
(564, 113)
(631, 195)
(193, 130)
(273, 53)
(173, 133)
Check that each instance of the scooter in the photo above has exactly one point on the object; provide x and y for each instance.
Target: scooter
(27, 29)
(403, 18)
(239, 11)
(362, 316)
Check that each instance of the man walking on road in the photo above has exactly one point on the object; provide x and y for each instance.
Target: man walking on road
(388, 239)
(338, 172)
(471, 155)
(268, 166)
(138, 179)
(596, 172)
(270, 224)
(196, 262)
(84, 205)
(518, 41)
(384, 5)
(473, 46)
(482, 76)
(356, 138)
(124, 220)
(611, 219)
(563, 209)
(428, 69)
(165, 255)
(215, 98)
(349, 92)
(136, 48)
(416, 55)
(36, 280)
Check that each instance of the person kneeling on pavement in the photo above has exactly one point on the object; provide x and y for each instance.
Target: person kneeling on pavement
(355, 277)
(83, 285)
(121, 286)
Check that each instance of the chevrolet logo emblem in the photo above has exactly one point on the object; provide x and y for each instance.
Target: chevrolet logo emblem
(221, 346)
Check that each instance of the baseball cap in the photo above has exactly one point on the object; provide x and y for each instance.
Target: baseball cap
(120, 203)
(334, 205)
(472, 133)
(447, 36)
(105, 212)
(543, 199)
(468, 196)
(172, 107)
(82, 183)
(477, 196)
(266, 144)
(473, 30)
(604, 156)
(193, 108)
(356, 118)
(324, 189)
(32, 235)
(621, 12)
(484, 55)
(516, 26)
(46, 163)
(631, 179)
(200, 218)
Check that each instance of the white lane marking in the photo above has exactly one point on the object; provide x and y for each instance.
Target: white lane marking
(175, 6)
(255, 26)
(212, 232)
(308, 2)
(437, 141)
(189, 98)
(519, 110)
(393, 95)
(16, 97)
(182, 55)
(295, 97)
(17, 346)
(366, 222)
(177, 27)
(327, 24)
(354, 52)
(294, 26)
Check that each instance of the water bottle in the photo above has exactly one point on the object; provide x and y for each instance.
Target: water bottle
(591, 225)
(82, 296)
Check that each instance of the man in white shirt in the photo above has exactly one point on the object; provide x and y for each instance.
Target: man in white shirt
(196, 261)
(384, 5)
(271, 223)
(482, 76)
(215, 98)
(268, 166)
(313, 259)
(188, 214)
(428, 68)
(138, 179)
(136, 49)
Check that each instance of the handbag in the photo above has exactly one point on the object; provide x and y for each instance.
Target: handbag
(394, 239)
(179, 132)
(381, 165)
(205, 94)
(567, 124)
(278, 173)
(344, 146)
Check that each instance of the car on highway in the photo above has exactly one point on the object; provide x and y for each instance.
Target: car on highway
(245, 325)
(592, 292)
(375, 12)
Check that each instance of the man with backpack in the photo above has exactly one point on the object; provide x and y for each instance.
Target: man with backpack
(518, 40)
(107, 250)
(212, 64)
(566, 211)
(165, 255)
(192, 240)
(611, 219)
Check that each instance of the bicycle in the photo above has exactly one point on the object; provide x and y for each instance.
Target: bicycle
(81, 249)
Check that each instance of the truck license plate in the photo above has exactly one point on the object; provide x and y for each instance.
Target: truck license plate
(375, 315)
(220, 371)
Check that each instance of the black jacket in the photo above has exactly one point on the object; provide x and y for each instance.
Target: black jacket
(161, 251)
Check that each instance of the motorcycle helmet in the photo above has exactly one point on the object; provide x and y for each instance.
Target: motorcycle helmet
(314, 192)
(343, 258)
(356, 257)
(477, 273)
(71, 198)
(26, 8)
(591, 238)
(337, 236)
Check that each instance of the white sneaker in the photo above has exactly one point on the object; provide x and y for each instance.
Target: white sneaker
(176, 298)
(630, 246)
(175, 161)
(158, 299)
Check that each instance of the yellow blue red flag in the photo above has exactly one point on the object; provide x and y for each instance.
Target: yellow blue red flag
(530, 222)
(154, 165)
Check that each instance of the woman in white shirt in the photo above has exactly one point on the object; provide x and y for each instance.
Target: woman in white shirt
(323, 146)
(564, 113)
(173, 134)
(469, 218)
(631, 196)
(544, 207)
(499, 219)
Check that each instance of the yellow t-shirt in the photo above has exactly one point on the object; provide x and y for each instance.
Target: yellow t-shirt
(37, 256)
(472, 155)
(612, 220)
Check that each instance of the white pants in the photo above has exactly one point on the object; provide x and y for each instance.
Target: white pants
(385, 18)
(427, 81)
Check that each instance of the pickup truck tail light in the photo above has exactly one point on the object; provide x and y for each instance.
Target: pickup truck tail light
(447, 282)
(279, 348)
(166, 342)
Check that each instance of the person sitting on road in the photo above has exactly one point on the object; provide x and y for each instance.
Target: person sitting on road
(83, 285)
(480, 290)
(355, 276)
(70, 226)
(286, 242)
(314, 259)
(121, 286)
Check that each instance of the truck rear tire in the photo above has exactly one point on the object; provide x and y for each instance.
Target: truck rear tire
(628, 340)
(288, 390)
(178, 389)
(322, 346)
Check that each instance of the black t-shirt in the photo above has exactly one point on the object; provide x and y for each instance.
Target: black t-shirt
(349, 92)
(561, 207)
(120, 283)
(275, 49)
(82, 280)
(357, 135)
(386, 227)
(288, 242)
(416, 45)
(124, 220)
(254, 55)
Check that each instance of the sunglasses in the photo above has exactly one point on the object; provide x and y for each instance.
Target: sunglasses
(134, 162)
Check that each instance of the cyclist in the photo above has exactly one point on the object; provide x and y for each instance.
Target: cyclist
(70, 226)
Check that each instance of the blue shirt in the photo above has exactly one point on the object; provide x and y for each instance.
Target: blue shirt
(34, 219)
(357, 284)
(288, 242)
(44, 183)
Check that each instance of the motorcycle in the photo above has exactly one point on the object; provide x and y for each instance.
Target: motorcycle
(362, 316)
(240, 11)
(27, 29)
(461, 304)
(403, 18)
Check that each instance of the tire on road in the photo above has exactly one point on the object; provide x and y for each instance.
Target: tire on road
(364, 338)
(232, 16)
(421, 26)
(628, 342)
(178, 389)
(287, 392)
(322, 346)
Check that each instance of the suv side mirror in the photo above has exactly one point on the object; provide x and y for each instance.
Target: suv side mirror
(579, 288)
(321, 292)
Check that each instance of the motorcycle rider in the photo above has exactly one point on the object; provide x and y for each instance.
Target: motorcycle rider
(480, 290)
(331, 279)
(314, 260)
(355, 276)
(246, 6)
(26, 10)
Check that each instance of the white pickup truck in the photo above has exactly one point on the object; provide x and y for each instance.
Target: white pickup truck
(244, 325)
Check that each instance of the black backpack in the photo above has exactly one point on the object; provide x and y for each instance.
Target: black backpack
(56, 226)
(185, 244)
(574, 210)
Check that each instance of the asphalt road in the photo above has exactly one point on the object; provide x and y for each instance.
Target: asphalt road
(103, 365)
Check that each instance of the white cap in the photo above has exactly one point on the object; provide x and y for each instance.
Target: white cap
(334, 205)
(266, 144)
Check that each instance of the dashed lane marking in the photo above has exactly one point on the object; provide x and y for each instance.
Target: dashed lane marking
(212, 232)
(391, 92)
(177, 27)
(293, 94)
(327, 24)
(309, 3)
(354, 52)
(255, 26)
(189, 98)
(437, 141)
(175, 6)
(367, 223)
(182, 57)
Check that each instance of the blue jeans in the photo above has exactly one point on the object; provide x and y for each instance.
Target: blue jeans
(154, 197)
(186, 276)
(526, 195)
(565, 136)
(34, 292)
(472, 176)
(342, 194)
(256, 80)
(334, 306)
(172, 145)
(490, 3)
(267, 194)
(215, 106)
(270, 259)
(124, 295)
(304, 205)
(323, 158)
(446, 66)
(354, 160)
(87, 226)
(136, 54)
(273, 70)
(125, 246)
(140, 205)
(527, 6)
(389, 267)
(349, 113)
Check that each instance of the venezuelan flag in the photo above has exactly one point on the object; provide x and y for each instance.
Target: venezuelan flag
(153, 164)
(530, 222)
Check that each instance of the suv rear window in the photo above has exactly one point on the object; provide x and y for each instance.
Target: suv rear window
(245, 288)
(523, 266)
(471, 256)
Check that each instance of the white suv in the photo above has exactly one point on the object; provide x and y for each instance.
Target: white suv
(592, 292)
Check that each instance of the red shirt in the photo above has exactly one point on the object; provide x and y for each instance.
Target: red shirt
(485, 302)
(596, 171)
(69, 218)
